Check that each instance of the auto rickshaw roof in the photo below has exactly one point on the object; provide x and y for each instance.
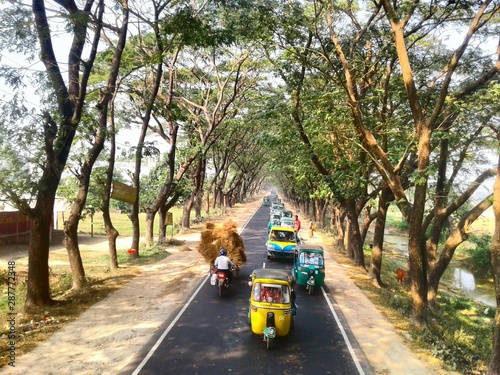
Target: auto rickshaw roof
(271, 273)
(284, 229)
(306, 247)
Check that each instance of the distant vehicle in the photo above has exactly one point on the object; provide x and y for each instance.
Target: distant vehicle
(287, 222)
(276, 206)
(287, 213)
(275, 218)
(265, 201)
(281, 242)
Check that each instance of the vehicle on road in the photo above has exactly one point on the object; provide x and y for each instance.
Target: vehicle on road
(271, 311)
(276, 206)
(309, 267)
(221, 279)
(265, 201)
(275, 217)
(287, 222)
(281, 242)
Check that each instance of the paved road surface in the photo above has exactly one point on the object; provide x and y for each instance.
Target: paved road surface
(211, 335)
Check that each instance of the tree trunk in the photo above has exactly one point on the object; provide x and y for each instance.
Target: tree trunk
(134, 214)
(355, 244)
(369, 217)
(136, 229)
(199, 181)
(186, 213)
(38, 287)
(208, 202)
(322, 213)
(167, 188)
(162, 216)
(338, 217)
(349, 250)
(418, 259)
(112, 234)
(71, 243)
(494, 365)
(198, 205)
(71, 226)
(149, 226)
(378, 238)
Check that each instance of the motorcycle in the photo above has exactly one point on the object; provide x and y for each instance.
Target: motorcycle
(221, 279)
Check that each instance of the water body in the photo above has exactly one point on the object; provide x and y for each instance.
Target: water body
(459, 278)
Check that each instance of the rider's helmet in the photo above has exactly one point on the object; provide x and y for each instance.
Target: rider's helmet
(222, 252)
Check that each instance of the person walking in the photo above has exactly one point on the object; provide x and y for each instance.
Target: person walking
(312, 228)
(297, 228)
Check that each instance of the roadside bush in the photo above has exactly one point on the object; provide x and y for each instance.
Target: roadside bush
(452, 334)
(480, 260)
(398, 223)
(402, 304)
(62, 282)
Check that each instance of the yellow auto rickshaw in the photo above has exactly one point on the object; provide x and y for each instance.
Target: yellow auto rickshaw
(272, 306)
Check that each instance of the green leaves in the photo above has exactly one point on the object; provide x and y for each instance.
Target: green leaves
(18, 34)
(195, 31)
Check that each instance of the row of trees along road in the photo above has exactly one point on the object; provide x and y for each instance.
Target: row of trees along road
(346, 106)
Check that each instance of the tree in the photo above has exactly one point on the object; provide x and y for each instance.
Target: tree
(409, 161)
(60, 121)
(213, 97)
(106, 94)
(494, 365)
(425, 123)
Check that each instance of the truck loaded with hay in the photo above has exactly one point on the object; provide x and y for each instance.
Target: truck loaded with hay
(213, 238)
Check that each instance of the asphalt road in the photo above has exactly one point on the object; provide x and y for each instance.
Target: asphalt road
(211, 335)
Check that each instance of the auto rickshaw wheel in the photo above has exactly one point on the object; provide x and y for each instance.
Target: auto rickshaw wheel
(310, 289)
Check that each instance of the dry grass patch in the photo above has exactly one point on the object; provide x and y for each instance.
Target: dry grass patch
(37, 326)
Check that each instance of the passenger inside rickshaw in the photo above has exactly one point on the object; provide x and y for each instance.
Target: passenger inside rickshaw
(285, 236)
(314, 259)
(271, 293)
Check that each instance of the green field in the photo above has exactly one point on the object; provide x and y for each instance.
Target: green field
(121, 222)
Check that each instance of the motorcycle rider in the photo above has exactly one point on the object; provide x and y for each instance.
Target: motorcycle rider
(224, 264)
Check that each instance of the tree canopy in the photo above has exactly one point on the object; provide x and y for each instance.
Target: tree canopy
(345, 106)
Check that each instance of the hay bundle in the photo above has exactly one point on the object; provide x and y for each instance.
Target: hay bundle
(226, 237)
(206, 246)
(230, 226)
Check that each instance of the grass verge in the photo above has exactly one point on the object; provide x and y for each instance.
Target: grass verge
(454, 324)
(39, 325)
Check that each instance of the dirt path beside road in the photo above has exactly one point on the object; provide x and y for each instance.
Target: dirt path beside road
(107, 336)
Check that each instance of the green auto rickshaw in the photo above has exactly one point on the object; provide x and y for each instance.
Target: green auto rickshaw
(309, 267)
(265, 201)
